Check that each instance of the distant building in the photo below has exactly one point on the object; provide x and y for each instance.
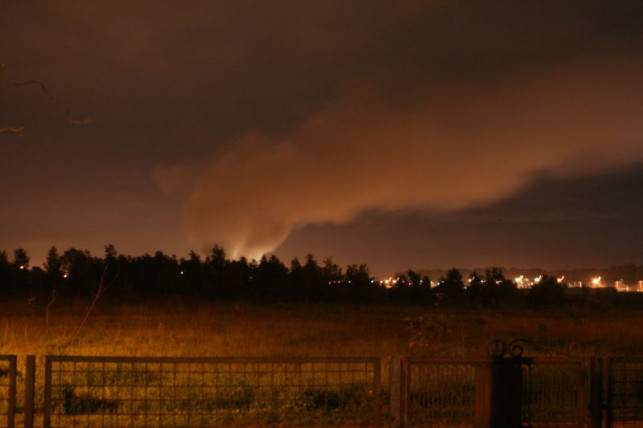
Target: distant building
(621, 286)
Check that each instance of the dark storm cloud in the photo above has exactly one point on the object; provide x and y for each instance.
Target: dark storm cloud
(586, 221)
(269, 116)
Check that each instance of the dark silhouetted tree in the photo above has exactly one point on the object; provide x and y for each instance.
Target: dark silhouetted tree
(331, 272)
(83, 273)
(296, 279)
(451, 286)
(491, 288)
(271, 279)
(54, 274)
(547, 293)
(20, 272)
(239, 277)
(20, 259)
(165, 274)
(426, 282)
(410, 287)
(503, 288)
(218, 275)
(110, 253)
(5, 274)
(358, 280)
(193, 276)
(414, 278)
(53, 262)
(311, 286)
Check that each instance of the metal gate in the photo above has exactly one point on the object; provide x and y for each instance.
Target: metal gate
(547, 392)
(121, 391)
(624, 401)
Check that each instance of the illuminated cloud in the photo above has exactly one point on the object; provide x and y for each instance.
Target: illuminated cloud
(260, 118)
(439, 151)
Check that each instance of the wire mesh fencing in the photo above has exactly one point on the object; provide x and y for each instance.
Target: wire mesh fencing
(555, 392)
(486, 392)
(625, 392)
(7, 389)
(165, 392)
(440, 392)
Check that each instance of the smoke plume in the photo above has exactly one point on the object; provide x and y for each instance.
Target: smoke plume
(438, 148)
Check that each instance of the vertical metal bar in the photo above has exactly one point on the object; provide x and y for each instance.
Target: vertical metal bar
(395, 380)
(405, 369)
(174, 400)
(596, 393)
(103, 385)
(376, 392)
(30, 389)
(610, 393)
(526, 413)
(582, 390)
(146, 401)
(47, 404)
(132, 394)
(11, 411)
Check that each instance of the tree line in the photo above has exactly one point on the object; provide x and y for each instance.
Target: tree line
(79, 274)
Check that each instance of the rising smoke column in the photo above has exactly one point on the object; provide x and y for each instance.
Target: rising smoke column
(442, 150)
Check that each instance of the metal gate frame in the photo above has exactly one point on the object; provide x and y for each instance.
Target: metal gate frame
(482, 379)
(624, 392)
(96, 366)
(9, 387)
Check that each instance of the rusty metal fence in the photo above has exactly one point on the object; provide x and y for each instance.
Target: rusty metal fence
(7, 389)
(547, 392)
(514, 391)
(624, 406)
(438, 392)
(162, 392)
(555, 392)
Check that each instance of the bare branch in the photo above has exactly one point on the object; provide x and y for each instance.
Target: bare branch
(100, 290)
(71, 119)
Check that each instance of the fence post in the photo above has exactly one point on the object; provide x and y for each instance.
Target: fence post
(596, 393)
(377, 384)
(610, 392)
(395, 401)
(47, 405)
(30, 389)
(483, 381)
(11, 410)
(506, 391)
(405, 383)
(499, 393)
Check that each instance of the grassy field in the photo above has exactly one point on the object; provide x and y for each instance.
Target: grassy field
(188, 328)
(242, 329)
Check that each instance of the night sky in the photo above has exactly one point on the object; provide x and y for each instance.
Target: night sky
(413, 134)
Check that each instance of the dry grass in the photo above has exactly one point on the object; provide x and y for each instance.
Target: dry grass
(188, 328)
(217, 329)
(175, 328)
